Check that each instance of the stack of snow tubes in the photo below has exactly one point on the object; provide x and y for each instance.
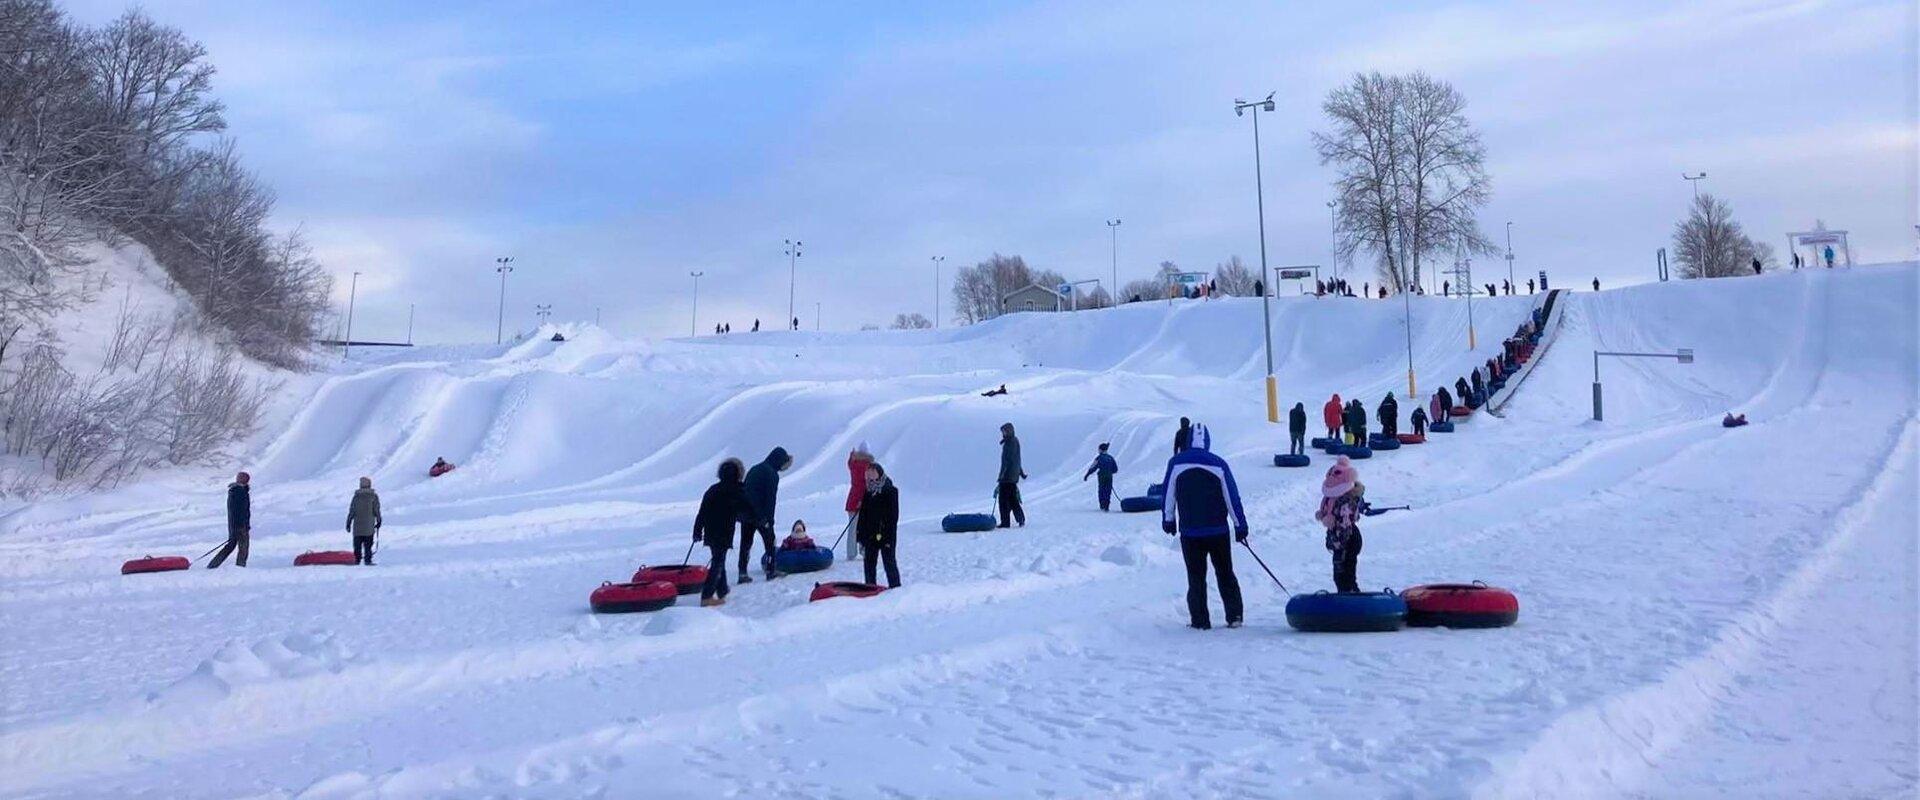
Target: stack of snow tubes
(966, 523)
(1350, 612)
(804, 559)
(629, 598)
(832, 589)
(1461, 605)
(1291, 460)
(336, 558)
(688, 578)
(140, 566)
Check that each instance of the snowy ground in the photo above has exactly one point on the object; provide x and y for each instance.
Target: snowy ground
(1705, 611)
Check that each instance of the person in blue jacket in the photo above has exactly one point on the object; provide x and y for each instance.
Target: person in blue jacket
(1104, 466)
(1202, 507)
(762, 488)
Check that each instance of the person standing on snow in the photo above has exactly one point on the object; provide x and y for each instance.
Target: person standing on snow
(1342, 500)
(1596, 284)
(1202, 501)
(879, 526)
(1357, 423)
(1479, 384)
(239, 522)
(1442, 405)
(363, 521)
(1333, 413)
(722, 507)
(1182, 437)
(1827, 253)
(1756, 265)
(1529, 286)
(1297, 429)
(1389, 412)
(1009, 479)
(1419, 419)
(857, 461)
(1104, 466)
(1460, 391)
(763, 490)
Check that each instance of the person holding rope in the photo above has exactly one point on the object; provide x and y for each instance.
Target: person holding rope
(721, 508)
(239, 522)
(1202, 506)
(363, 521)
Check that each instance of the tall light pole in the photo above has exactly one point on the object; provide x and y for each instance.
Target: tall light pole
(409, 323)
(1510, 253)
(1333, 236)
(936, 290)
(544, 312)
(352, 290)
(1113, 228)
(793, 272)
(1260, 199)
(816, 315)
(500, 324)
(1694, 181)
(693, 325)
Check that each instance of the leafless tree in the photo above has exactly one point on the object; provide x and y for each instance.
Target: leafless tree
(910, 322)
(978, 289)
(1234, 278)
(1710, 244)
(1411, 172)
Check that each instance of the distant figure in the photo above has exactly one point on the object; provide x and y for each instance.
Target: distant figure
(1259, 289)
(1297, 430)
(1756, 266)
(1733, 421)
(857, 461)
(440, 467)
(1446, 289)
(1460, 391)
(796, 322)
(1134, 299)
(716, 329)
(879, 525)
(1364, 288)
(1507, 287)
(1319, 288)
(1389, 414)
(762, 488)
(1383, 292)
(1103, 466)
(1596, 284)
(557, 337)
(756, 325)
(239, 522)
(1443, 405)
(1009, 478)
(1529, 286)
(1356, 423)
(1334, 414)
(1202, 506)
(1796, 260)
(1183, 437)
(1419, 419)
(995, 392)
(722, 507)
(1827, 253)
(363, 521)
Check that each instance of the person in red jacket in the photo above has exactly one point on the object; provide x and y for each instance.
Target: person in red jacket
(1334, 414)
(857, 461)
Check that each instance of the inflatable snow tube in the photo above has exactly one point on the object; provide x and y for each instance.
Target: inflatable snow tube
(629, 598)
(1322, 442)
(437, 471)
(832, 589)
(1460, 605)
(318, 558)
(1442, 426)
(966, 523)
(1383, 442)
(1412, 438)
(1477, 399)
(689, 578)
(1461, 411)
(1157, 490)
(1732, 422)
(140, 566)
(1355, 612)
(1133, 505)
(1356, 453)
(1291, 460)
(808, 560)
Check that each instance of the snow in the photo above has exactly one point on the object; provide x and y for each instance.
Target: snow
(1704, 611)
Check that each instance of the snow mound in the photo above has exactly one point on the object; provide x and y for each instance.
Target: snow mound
(294, 655)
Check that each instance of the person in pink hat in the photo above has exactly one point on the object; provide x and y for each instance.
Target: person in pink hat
(1342, 502)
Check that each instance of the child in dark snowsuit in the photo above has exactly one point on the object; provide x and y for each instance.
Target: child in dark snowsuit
(1103, 466)
(721, 508)
(1419, 421)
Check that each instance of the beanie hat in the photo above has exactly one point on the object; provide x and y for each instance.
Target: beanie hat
(1340, 478)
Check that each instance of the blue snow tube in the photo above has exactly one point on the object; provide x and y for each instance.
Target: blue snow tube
(805, 559)
(1442, 426)
(1157, 490)
(1380, 441)
(1476, 399)
(966, 523)
(1291, 460)
(1355, 612)
(1322, 442)
(1356, 452)
(1152, 502)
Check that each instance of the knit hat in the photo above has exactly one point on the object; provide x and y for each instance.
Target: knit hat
(1340, 479)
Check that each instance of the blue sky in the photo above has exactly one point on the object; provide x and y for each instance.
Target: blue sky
(613, 147)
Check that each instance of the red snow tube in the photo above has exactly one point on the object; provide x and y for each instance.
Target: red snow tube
(155, 564)
(628, 598)
(313, 558)
(1462, 411)
(1413, 438)
(831, 589)
(1460, 605)
(689, 578)
(438, 470)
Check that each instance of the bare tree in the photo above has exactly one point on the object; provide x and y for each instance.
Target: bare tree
(1411, 172)
(1234, 278)
(910, 322)
(978, 289)
(1710, 244)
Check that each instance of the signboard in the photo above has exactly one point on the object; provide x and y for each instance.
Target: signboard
(1066, 288)
(1686, 355)
(1293, 274)
(1543, 280)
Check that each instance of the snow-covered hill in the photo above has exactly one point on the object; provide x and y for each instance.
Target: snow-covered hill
(1705, 611)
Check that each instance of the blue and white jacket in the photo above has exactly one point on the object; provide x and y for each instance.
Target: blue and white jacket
(1201, 493)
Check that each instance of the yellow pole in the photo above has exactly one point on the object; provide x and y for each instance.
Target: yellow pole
(1413, 394)
(1273, 400)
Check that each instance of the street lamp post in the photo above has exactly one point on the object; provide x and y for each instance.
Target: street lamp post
(793, 272)
(1333, 237)
(1683, 355)
(353, 289)
(936, 291)
(1113, 229)
(500, 324)
(1694, 181)
(544, 312)
(1510, 253)
(1462, 273)
(409, 323)
(693, 325)
(1240, 108)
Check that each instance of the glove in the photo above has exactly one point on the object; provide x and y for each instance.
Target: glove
(1240, 536)
(1168, 527)
(696, 536)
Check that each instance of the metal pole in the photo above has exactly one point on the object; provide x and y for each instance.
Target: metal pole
(793, 273)
(1509, 253)
(1113, 228)
(1333, 238)
(1596, 386)
(1413, 394)
(816, 315)
(500, 322)
(936, 292)
(1266, 313)
(693, 325)
(409, 323)
(353, 289)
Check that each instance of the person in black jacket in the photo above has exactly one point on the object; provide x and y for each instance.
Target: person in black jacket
(878, 528)
(1297, 429)
(722, 507)
(1389, 416)
(1357, 423)
(1419, 418)
(239, 522)
(763, 490)
(1008, 490)
(1183, 438)
(1460, 391)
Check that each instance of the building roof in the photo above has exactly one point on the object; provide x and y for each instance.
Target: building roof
(1048, 290)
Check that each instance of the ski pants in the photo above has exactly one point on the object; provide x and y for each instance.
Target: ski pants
(1106, 493)
(1198, 551)
(1346, 565)
(883, 553)
(1010, 504)
(363, 550)
(237, 537)
(716, 585)
(1296, 443)
(765, 532)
